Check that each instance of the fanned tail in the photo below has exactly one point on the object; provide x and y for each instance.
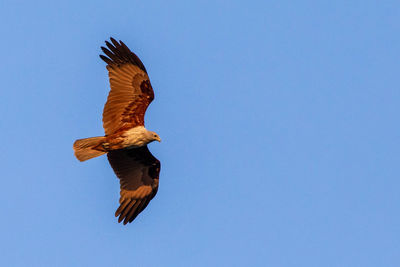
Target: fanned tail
(89, 148)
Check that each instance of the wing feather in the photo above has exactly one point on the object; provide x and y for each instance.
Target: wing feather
(138, 171)
(131, 91)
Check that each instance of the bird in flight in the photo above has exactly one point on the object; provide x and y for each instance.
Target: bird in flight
(126, 138)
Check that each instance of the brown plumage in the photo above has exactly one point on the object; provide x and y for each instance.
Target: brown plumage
(126, 139)
(131, 91)
(138, 171)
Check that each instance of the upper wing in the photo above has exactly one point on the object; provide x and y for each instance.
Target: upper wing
(138, 171)
(131, 91)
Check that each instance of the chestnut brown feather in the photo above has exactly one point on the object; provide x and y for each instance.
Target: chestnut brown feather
(131, 91)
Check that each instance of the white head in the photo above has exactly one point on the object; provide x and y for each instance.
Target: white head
(139, 136)
(152, 136)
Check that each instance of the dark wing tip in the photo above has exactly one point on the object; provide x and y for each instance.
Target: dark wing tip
(130, 209)
(116, 44)
(106, 59)
(118, 53)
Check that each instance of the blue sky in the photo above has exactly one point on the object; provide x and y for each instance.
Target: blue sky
(279, 122)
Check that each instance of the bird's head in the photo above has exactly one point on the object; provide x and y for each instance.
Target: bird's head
(152, 136)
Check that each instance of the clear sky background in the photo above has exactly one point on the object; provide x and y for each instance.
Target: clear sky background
(279, 121)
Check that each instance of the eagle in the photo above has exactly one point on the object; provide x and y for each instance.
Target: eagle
(125, 140)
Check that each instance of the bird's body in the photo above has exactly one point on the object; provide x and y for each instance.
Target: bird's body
(126, 138)
(131, 138)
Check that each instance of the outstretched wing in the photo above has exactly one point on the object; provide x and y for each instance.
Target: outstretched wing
(138, 171)
(131, 91)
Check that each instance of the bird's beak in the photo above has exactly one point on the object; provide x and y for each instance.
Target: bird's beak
(159, 139)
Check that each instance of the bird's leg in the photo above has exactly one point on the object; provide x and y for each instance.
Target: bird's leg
(106, 145)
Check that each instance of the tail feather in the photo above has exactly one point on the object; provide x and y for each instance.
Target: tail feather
(85, 148)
